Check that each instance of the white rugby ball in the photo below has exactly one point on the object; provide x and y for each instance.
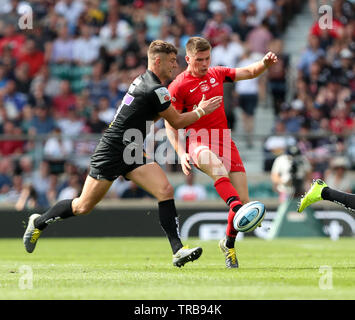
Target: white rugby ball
(249, 216)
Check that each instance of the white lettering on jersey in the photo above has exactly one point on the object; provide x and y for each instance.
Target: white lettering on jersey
(163, 94)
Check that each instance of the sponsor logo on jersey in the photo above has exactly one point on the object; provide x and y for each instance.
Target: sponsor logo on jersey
(163, 94)
(192, 90)
(205, 87)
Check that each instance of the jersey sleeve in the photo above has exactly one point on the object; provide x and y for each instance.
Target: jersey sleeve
(160, 98)
(176, 98)
(227, 74)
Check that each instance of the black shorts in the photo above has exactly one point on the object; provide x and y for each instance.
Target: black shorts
(109, 162)
(248, 103)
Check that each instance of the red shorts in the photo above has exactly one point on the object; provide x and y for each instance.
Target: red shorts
(224, 148)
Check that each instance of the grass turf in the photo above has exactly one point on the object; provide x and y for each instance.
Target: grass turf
(139, 269)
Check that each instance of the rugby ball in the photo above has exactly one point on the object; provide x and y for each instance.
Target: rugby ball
(249, 216)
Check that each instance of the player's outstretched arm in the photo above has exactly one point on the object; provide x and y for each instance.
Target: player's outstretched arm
(182, 120)
(255, 69)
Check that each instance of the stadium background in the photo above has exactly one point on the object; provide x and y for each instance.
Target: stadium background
(64, 71)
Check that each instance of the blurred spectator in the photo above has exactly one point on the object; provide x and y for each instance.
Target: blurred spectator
(277, 75)
(12, 40)
(11, 146)
(290, 173)
(28, 200)
(190, 191)
(123, 29)
(338, 176)
(118, 187)
(200, 15)
(98, 84)
(154, 19)
(86, 46)
(62, 48)
(292, 116)
(25, 169)
(3, 76)
(72, 190)
(133, 191)
(113, 43)
(106, 113)
(56, 149)
(42, 122)
(310, 55)
(341, 122)
(72, 124)
(94, 16)
(39, 97)
(189, 30)
(228, 52)
(14, 101)
(6, 173)
(243, 28)
(51, 84)
(15, 191)
(22, 78)
(247, 91)
(115, 95)
(27, 116)
(71, 10)
(52, 192)
(64, 100)
(215, 28)
(276, 144)
(94, 124)
(259, 38)
(31, 56)
(41, 182)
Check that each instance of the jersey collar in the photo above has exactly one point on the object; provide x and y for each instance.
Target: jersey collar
(153, 75)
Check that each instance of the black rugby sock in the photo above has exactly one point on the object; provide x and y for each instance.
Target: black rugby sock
(347, 200)
(61, 210)
(170, 223)
(230, 242)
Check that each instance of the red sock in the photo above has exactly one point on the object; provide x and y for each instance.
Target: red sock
(227, 192)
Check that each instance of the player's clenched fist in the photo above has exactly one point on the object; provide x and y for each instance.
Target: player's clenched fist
(269, 59)
(210, 105)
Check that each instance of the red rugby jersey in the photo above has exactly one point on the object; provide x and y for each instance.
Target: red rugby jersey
(186, 92)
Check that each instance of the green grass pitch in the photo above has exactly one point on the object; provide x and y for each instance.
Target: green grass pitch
(141, 268)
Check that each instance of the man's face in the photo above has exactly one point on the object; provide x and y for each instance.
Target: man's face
(199, 63)
(168, 63)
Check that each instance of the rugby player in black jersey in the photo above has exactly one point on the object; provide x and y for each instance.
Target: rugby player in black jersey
(146, 100)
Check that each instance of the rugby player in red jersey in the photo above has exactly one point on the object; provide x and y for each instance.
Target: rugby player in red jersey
(209, 142)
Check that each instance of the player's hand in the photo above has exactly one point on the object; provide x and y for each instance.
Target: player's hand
(269, 59)
(185, 163)
(210, 105)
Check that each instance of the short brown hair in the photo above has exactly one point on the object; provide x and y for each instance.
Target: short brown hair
(197, 44)
(160, 46)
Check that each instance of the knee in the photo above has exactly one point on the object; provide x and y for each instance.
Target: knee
(165, 192)
(81, 208)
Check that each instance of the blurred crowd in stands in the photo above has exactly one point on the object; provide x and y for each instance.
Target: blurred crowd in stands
(67, 66)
